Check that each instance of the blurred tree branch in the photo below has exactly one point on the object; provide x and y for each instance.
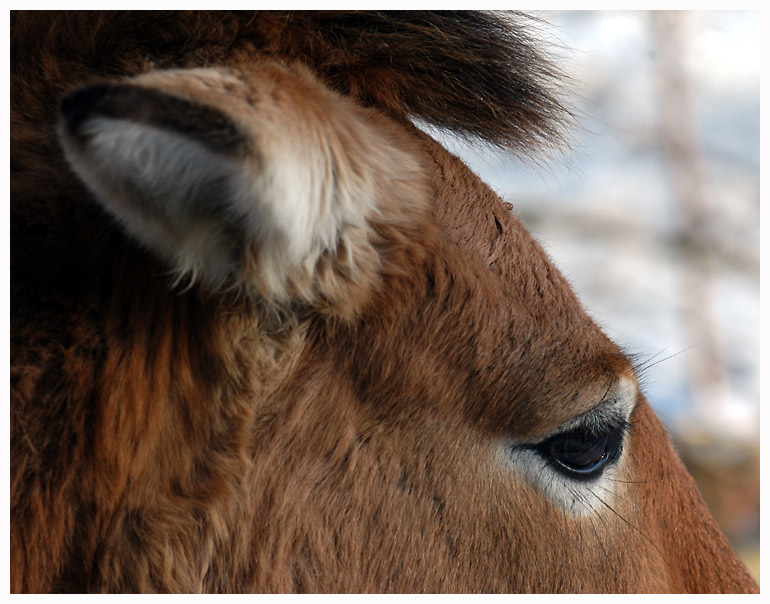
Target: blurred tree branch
(681, 143)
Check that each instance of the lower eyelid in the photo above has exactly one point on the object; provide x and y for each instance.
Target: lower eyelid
(576, 495)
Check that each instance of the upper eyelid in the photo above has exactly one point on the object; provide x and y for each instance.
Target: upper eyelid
(611, 413)
(603, 417)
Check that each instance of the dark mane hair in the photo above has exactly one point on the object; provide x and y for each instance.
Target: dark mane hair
(478, 74)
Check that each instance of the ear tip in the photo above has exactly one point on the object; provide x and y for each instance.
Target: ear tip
(77, 106)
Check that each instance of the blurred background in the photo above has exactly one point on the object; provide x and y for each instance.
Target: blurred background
(653, 216)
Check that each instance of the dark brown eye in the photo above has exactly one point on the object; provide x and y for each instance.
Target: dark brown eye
(579, 452)
(583, 453)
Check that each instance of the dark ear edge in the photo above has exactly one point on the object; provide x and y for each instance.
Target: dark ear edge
(119, 100)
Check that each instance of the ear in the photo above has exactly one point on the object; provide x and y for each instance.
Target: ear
(261, 181)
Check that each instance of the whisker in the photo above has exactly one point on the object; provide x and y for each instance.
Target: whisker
(617, 480)
(585, 501)
(639, 365)
(612, 494)
(646, 365)
(637, 529)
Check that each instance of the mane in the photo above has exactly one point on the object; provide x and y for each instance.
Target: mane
(477, 74)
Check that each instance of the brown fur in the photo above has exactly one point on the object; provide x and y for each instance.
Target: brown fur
(186, 441)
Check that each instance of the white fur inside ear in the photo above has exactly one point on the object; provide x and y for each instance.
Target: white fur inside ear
(167, 190)
(200, 209)
(303, 205)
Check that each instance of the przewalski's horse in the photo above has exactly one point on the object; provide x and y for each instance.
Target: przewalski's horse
(268, 336)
